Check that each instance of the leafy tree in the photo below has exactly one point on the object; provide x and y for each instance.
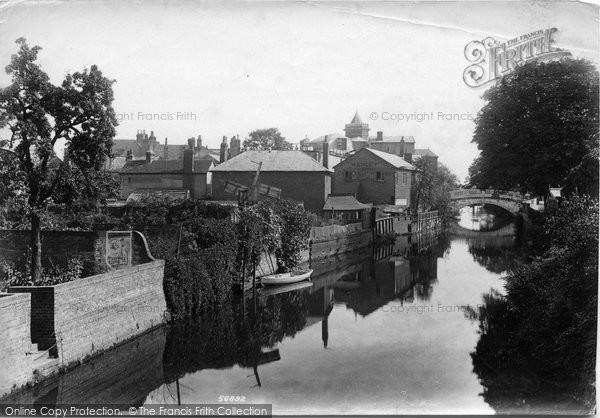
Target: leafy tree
(38, 115)
(539, 127)
(431, 190)
(266, 139)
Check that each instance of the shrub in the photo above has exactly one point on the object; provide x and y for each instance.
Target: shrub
(20, 275)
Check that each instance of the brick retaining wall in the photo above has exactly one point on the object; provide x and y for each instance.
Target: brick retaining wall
(15, 342)
(81, 318)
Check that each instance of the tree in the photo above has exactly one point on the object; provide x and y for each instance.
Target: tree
(38, 115)
(266, 139)
(539, 124)
(433, 183)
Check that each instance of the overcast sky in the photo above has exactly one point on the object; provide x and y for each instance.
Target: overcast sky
(302, 67)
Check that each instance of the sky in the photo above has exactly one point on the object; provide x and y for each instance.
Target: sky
(186, 68)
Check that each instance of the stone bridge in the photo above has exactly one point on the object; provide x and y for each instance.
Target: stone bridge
(510, 201)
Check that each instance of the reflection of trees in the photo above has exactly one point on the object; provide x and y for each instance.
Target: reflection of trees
(234, 334)
(423, 267)
(497, 259)
(514, 381)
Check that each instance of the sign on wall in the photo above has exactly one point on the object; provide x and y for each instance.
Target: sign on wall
(118, 249)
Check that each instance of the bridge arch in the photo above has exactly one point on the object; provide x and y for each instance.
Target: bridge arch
(509, 201)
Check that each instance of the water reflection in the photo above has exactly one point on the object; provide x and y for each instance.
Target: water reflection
(379, 331)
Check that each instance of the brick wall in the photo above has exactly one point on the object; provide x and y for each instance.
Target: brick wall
(97, 312)
(58, 247)
(124, 375)
(366, 187)
(42, 314)
(312, 188)
(196, 183)
(15, 341)
(93, 314)
(371, 180)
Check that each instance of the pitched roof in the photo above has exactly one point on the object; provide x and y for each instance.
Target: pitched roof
(394, 138)
(271, 161)
(165, 166)
(330, 138)
(424, 152)
(344, 203)
(356, 120)
(393, 159)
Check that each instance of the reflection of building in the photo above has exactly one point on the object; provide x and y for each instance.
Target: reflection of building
(298, 176)
(375, 177)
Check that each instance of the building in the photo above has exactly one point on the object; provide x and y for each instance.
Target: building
(375, 177)
(188, 174)
(356, 137)
(345, 208)
(299, 177)
(402, 146)
(125, 150)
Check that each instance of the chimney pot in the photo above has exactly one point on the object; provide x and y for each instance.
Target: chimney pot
(148, 157)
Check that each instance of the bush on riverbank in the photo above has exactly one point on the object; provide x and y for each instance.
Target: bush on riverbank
(546, 324)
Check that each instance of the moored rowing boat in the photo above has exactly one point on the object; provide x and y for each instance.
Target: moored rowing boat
(286, 278)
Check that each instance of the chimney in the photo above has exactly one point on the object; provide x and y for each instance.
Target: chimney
(235, 146)
(166, 149)
(224, 151)
(188, 161)
(129, 155)
(199, 142)
(326, 153)
(148, 157)
(408, 157)
(139, 137)
(191, 142)
(380, 135)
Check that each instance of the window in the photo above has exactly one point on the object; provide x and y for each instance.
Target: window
(379, 176)
(404, 178)
(347, 175)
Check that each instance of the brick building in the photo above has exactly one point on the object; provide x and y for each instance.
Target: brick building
(299, 177)
(356, 137)
(376, 177)
(125, 150)
(189, 174)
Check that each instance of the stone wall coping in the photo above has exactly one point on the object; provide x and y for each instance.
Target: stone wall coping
(96, 278)
(14, 298)
(145, 244)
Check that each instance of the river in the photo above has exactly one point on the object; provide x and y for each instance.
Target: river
(378, 332)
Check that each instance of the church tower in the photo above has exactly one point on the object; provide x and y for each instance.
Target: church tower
(357, 128)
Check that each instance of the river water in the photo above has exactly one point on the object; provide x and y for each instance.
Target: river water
(381, 331)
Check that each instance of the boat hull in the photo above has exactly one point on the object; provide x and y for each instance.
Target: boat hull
(286, 278)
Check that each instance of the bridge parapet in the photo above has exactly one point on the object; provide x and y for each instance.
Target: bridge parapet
(485, 194)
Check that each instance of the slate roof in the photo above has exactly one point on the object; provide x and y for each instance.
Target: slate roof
(344, 203)
(424, 152)
(272, 161)
(165, 166)
(356, 119)
(393, 159)
(394, 138)
(330, 138)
